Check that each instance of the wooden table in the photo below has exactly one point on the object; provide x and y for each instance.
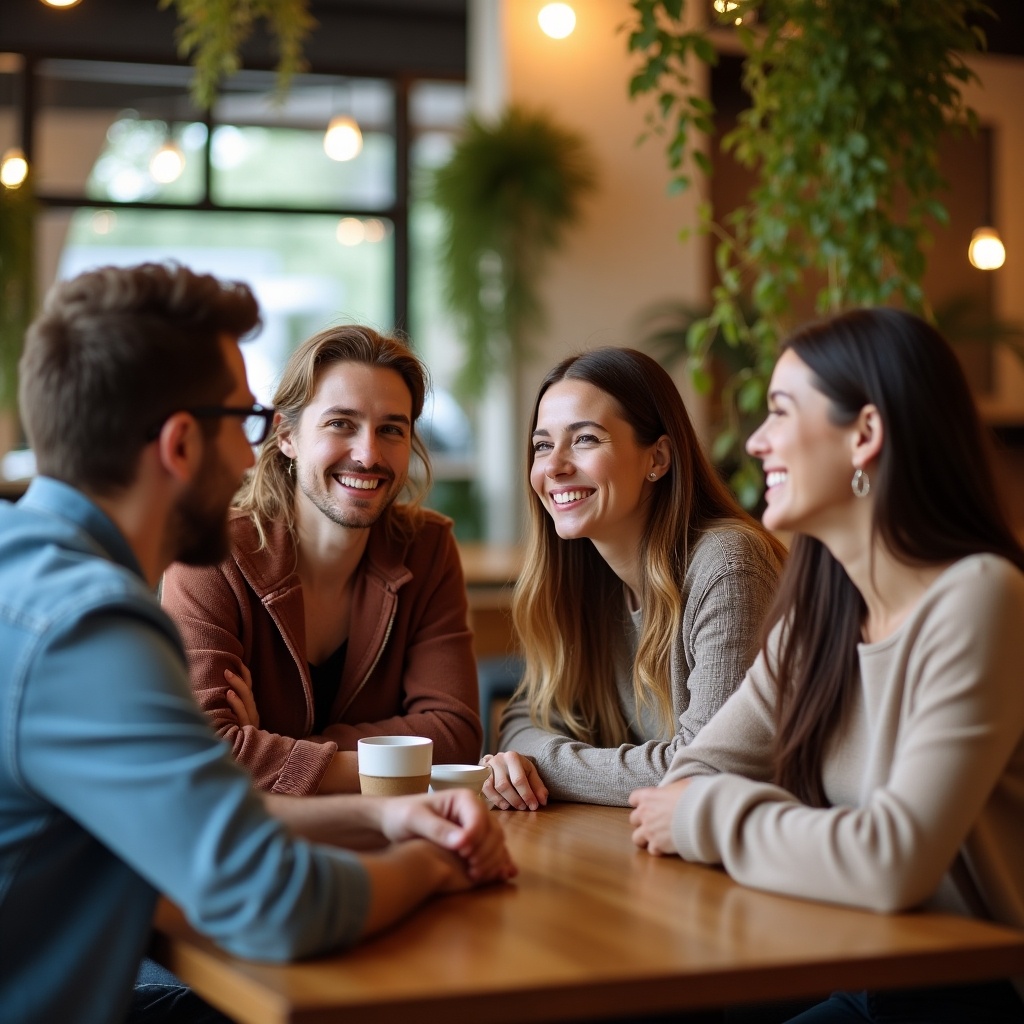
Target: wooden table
(591, 928)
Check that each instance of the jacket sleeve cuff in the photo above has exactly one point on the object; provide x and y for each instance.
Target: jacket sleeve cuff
(305, 768)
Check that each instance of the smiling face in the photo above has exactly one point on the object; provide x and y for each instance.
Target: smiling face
(808, 460)
(588, 470)
(352, 443)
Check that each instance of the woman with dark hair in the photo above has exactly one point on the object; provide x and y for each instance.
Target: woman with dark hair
(645, 587)
(874, 754)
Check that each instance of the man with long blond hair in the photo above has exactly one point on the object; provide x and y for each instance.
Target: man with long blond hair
(341, 611)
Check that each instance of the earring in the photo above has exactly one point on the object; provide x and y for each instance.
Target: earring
(860, 484)
(653, 476)
(291, 468)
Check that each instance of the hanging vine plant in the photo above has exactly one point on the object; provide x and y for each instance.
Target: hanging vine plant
(17, 283)
(508, 193)
(211, 34)
(848, 102)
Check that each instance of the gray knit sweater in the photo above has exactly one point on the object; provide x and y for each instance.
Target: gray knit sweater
(729, 583)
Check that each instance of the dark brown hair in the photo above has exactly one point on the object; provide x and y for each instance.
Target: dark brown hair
(568, 642)
(935, 502)
(113, 353)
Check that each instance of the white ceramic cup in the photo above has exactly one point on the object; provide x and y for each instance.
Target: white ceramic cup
(394, 765)
(459, 776)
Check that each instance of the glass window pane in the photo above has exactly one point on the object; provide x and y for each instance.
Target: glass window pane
(437, 111)
(273, 153)
(304, 277)
(101, 127)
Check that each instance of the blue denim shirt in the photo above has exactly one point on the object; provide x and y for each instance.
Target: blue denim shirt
(114, 788)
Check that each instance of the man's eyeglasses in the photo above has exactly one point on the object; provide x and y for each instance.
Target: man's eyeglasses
(256, 419)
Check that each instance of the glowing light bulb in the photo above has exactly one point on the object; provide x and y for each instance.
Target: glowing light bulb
(350, 231)
(62, 4)
(557, 20)
(343, 140)
(986, 251)
(167, 163)
(13, 169)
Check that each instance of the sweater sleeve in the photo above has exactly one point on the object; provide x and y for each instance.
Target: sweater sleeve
(948, 695)
(208, 606)
(727, 601)
(439, 694)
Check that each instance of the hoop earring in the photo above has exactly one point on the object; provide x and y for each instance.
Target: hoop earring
(860, 484)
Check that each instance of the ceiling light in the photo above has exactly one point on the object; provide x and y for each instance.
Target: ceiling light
(343, 140)
(557, 20)
(13, 168)
(167, 163)
(986, 251)
(60, 3)
(350, 231)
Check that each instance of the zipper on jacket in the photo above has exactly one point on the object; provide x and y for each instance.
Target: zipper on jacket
(380, 651)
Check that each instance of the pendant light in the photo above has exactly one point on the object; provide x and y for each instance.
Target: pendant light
(557, 20)
(13, 168)
(986, 251)
(343, 139)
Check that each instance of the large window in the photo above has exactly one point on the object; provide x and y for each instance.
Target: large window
(127, 169)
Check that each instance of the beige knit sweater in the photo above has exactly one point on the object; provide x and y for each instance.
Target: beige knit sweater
(925, 778)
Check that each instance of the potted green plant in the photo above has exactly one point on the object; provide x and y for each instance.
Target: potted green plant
(848, 102)
(508, 192)
(212, 32)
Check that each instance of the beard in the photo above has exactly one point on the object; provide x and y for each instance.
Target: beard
(360, 513)
(200, 522)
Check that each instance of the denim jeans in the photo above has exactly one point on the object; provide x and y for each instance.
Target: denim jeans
(162, 998)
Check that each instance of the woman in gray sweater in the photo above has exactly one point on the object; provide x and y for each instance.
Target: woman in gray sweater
(874, 754)
(645, 587)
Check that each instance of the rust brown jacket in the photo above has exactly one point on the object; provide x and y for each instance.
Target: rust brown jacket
(409, 667)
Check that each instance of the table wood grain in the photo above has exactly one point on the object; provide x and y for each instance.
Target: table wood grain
(593, 928)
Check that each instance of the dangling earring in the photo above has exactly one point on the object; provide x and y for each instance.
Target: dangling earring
(291, 468)
(860, 484)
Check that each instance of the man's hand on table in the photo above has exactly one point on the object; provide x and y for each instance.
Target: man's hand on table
(515, 783)
(456, 820)
(651, 816)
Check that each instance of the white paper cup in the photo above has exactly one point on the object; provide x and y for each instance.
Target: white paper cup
(459, 776)
(394, 765)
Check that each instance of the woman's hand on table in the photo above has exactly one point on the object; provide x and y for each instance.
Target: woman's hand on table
(456, 820)
(515, 783)
(240, 698)
(651, 816)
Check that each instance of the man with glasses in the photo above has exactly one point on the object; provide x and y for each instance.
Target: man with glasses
(112, 786)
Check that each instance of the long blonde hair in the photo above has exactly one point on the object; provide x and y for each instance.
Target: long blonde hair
(268, 492)
(569, 606)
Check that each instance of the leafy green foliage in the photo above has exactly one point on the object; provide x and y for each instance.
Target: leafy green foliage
(212, 33)
(508, 192)
(847, 105)
(17, 282)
